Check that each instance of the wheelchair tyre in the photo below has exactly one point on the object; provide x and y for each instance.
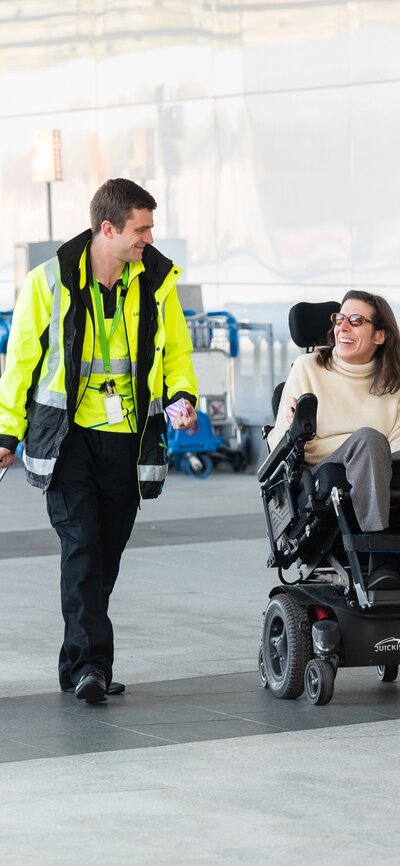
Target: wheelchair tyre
(286, 647)
(261, 668)
(387, 673)
(319, 681)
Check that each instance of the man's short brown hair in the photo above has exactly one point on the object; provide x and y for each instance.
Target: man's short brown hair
(114, 201)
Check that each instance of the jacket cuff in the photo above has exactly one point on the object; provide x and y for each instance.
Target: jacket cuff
(9, 442)
(185, 395)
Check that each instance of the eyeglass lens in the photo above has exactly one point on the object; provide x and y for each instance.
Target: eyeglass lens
(355, 319)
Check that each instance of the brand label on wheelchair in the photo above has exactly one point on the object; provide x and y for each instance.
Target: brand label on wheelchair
(390, 644)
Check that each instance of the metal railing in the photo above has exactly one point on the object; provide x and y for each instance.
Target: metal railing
(234, 362)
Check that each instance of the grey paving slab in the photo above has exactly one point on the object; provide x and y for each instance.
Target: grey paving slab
(181, 711)
(241, 802)
(172, 618)
(24, 507)
(197, 530)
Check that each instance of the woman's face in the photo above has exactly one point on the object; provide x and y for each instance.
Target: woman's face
(357, 344)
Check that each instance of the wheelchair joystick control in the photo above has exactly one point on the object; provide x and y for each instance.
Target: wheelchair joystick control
(304, 422)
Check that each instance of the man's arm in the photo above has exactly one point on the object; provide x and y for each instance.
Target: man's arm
(179, 375)
(25, 351)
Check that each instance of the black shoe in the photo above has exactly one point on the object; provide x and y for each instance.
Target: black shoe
(113, 689)
(116, 689)
(92, 687)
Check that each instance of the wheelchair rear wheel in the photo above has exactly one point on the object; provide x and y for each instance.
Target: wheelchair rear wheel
(387, 673)
(286, 647)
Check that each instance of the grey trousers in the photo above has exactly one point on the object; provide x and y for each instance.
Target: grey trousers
(368, 463)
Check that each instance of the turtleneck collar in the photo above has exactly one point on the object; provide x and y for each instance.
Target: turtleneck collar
(359, 370)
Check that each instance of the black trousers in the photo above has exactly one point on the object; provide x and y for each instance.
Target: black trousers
(92, 503)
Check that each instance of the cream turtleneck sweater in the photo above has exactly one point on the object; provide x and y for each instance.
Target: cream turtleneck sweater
(344, 405)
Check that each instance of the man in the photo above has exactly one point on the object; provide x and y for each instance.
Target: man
(98, 348)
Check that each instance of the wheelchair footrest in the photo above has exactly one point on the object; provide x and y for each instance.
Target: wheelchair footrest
(373, 541)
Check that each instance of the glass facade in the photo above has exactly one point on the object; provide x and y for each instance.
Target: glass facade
(267, 132)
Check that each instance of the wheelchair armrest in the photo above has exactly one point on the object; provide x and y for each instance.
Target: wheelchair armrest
(302, 429)
(272, 462)
(304, 424)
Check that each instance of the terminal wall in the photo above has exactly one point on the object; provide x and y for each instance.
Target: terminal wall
(268, 132)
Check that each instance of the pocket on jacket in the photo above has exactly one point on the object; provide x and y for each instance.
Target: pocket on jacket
(44, 424)
(154, 450)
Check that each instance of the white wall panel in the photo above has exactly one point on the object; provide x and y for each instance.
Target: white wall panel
(268, 133)
(284, 188)
(376, 184)
(374, 31)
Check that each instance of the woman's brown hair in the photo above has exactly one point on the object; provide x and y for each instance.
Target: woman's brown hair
(387, 356)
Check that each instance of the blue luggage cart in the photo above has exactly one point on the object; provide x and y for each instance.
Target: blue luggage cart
(5, 325)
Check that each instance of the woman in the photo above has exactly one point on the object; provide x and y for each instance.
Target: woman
(356, 379)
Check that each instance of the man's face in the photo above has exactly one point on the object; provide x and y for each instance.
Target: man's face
(128, 244)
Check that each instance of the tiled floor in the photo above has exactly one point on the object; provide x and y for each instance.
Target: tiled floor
(160, 533)
(90, 785)
(182, 711)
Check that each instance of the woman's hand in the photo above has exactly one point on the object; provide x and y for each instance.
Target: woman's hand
(292, 409)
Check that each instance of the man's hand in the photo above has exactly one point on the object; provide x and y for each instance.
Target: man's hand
(182, 421)
(6, 458)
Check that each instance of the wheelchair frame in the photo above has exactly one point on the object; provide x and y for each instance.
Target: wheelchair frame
(327, 618)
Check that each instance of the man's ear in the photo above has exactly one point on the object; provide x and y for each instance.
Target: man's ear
(107, 229)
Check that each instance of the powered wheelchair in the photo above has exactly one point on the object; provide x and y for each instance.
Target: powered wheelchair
(321, 616)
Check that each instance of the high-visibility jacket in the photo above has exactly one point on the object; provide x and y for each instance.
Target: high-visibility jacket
(39, 387)
(90, 408)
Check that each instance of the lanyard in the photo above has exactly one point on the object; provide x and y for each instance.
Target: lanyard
(104, 343)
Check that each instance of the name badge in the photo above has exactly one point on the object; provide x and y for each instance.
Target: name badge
(112, 402)
(113, 406)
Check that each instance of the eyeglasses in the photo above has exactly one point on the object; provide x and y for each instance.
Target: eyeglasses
(355, 319)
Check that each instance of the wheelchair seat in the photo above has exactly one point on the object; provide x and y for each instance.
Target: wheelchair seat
(325, 617)
(330, 475)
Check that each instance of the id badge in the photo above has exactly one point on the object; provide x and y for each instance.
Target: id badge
(113, 406)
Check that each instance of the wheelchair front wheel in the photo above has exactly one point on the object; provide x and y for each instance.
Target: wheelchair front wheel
(261, 668)
(387, 673)
(286, 646)
(319, 681)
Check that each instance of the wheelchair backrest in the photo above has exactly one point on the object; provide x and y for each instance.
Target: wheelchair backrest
(309, 324)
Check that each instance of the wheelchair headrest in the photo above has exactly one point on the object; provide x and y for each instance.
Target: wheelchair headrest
(310, 323)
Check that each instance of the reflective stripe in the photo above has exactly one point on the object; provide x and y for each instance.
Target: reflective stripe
(46, 397)
(152, 473)
(42, 393)
(53, 275)
(38, 465)
(156, 406)
(118, 366)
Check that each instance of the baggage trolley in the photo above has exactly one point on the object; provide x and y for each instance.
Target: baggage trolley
(215, 338)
